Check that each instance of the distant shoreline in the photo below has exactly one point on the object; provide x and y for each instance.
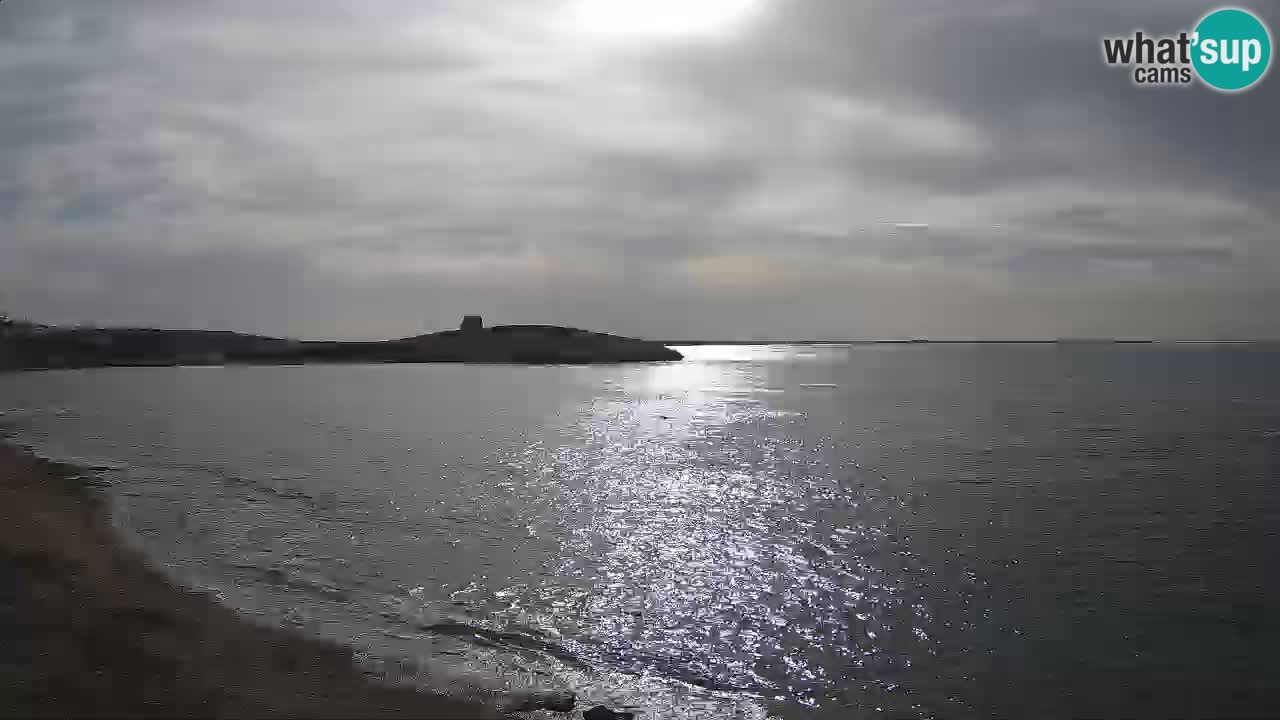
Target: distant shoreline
(39, 347)
(1062, 341)
(92, 631)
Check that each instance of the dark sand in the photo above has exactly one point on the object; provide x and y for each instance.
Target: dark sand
(86, 629)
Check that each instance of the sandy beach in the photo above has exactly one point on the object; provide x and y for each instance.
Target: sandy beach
(91, 631)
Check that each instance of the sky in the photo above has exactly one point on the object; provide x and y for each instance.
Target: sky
(672, 169)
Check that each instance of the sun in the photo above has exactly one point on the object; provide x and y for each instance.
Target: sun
(658, 19)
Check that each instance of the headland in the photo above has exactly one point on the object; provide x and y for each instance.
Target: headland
(33, 347)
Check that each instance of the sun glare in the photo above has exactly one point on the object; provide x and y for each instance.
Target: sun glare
(662, 18)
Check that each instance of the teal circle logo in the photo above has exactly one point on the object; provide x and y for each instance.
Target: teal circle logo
(1231, 49)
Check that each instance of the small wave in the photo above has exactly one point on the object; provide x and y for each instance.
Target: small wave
(529, 639)
(307, 582)
(680, 669)
(282, 488)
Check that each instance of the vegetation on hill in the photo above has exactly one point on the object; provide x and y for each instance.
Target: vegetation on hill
(31, 346)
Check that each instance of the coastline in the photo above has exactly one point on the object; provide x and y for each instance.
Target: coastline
(42, 347)
(92, 631)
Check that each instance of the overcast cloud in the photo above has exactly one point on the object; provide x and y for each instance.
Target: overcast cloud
(818, 168)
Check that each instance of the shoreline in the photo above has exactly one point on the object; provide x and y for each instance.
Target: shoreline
(93, 631)
(27, 346)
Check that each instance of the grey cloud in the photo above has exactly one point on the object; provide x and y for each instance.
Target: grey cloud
(365, 169)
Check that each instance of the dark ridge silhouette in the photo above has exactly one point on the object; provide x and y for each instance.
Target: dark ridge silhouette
(34, 347)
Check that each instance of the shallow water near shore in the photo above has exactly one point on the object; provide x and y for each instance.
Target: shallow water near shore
(949, 531)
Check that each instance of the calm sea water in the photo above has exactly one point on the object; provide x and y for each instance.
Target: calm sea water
(833, 531)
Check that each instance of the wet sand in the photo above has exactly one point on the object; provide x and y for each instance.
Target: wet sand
(86, 629)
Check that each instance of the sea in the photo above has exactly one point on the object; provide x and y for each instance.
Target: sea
(793, 531)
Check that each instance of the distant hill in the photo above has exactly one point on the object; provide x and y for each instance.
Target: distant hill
(536, 344)
(40, 347)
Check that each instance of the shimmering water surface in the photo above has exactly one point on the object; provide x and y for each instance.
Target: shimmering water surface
(831, 531)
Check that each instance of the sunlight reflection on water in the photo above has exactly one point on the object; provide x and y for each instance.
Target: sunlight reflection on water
(709, 546)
